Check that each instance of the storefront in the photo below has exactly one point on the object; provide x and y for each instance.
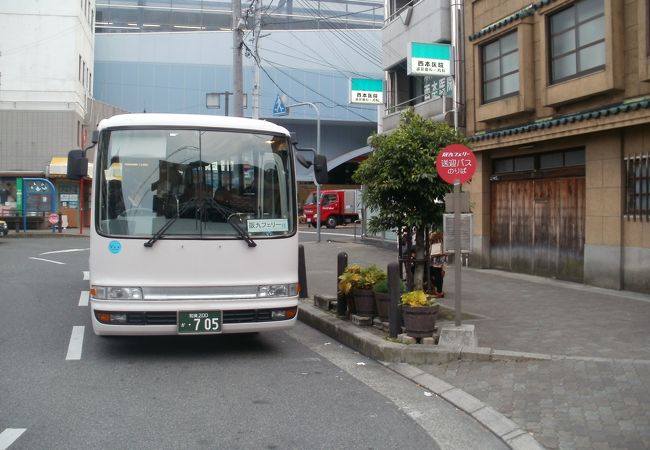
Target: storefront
(73, 196)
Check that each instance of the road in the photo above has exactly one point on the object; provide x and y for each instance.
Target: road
(64, 387)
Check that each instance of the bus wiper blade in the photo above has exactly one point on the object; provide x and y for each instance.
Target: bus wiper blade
(228, 215)
(161, 232)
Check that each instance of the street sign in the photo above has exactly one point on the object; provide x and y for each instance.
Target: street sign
(456, 162)
(366, 91)
(425, 58)
(53, 218)
(278, 107)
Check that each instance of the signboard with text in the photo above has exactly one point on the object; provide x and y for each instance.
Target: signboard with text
(367, 92)
(438, 87)
(429, 59)
(456, 162)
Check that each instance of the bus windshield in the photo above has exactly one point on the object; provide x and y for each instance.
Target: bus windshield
(193, 183)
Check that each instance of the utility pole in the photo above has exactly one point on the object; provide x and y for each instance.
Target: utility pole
(256, 57)
(237, 64)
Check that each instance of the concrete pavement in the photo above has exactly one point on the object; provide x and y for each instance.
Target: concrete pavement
(564, 363)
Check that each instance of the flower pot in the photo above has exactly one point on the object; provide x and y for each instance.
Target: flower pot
(420, 321)
(382, 303)
(364, 302)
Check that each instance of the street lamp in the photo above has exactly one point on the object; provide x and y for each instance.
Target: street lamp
(318, 153)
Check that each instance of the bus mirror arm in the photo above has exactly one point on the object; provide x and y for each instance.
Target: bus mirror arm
(319, 163)
(77, 167)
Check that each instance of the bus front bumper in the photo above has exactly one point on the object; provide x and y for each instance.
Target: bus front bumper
(152, 318)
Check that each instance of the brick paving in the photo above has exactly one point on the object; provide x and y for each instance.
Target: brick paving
(565, 404)
(595, 395)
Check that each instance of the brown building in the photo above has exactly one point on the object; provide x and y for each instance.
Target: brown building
(558, 113)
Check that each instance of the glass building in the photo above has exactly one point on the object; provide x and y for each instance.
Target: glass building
(124, 16)
(167, 56)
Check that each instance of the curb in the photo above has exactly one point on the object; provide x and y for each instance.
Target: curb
(399, 357)
(377, 347)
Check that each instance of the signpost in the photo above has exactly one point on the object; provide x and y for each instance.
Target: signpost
(456, 165)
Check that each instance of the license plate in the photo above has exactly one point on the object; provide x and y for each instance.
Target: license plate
(308, 220)
(199, 322)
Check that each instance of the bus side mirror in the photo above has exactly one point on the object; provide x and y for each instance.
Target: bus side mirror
(77, 164)
(320, 169)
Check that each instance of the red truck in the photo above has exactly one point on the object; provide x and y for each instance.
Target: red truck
(338, 206)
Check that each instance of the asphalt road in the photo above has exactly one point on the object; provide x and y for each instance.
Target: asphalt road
(63, 387)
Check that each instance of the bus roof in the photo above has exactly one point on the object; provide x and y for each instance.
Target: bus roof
(190, 120)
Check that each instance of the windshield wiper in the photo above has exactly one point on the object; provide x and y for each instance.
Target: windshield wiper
(202, 204)
(162, 230)
(229, 215)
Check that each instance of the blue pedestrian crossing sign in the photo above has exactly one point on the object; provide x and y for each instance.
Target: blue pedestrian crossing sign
(278, 107)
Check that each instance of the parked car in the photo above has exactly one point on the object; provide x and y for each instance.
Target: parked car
(338, 206)
(4, 229)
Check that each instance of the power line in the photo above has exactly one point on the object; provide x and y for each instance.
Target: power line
(335, 104)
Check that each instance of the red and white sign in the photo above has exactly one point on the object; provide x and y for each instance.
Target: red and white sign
(456, 162)
(53, 218)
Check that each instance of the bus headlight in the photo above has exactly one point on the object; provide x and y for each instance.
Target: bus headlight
(116, 293)
(277, 290)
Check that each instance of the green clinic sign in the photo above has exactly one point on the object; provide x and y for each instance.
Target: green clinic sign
(429, 59)
(367, 92)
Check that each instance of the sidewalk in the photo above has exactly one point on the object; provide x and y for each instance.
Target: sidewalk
(588, 384)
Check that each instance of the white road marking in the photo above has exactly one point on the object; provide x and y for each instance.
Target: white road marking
(332, 234)
(86, 275)
(9, 436)
(66, 251)
(47, 260)
(83, 298)
(76, 343)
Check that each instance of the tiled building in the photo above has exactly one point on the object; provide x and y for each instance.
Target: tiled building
(558, 113)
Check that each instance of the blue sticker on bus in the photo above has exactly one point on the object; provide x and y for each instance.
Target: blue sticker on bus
(114, 247)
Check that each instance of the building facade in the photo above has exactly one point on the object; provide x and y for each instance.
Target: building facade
(427, 21)
(46, 99)
(558, 108)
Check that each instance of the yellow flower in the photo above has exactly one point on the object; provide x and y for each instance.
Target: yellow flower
(416, 298)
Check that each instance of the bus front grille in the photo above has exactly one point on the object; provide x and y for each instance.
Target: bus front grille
(169, 317)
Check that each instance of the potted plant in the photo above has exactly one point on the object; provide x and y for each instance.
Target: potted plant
(382, 299)
(419, 313)
(359, 281)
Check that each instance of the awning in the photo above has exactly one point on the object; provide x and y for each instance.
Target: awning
(58, 168)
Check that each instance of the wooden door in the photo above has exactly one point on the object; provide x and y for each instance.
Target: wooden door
(537, 227)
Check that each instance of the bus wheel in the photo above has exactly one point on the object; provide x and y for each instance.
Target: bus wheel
(331, 222)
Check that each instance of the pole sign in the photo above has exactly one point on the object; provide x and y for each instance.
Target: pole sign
(278, 107)
(366, 92)
(429, 59)
(456, 162)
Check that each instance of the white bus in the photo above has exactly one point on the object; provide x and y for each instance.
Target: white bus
(194, 225)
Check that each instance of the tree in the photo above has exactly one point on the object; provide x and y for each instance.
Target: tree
(402, 183)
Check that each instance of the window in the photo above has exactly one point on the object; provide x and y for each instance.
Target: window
(79, 67)
(500, 68)
(577, 40)
(637, 186)
(542, 161)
